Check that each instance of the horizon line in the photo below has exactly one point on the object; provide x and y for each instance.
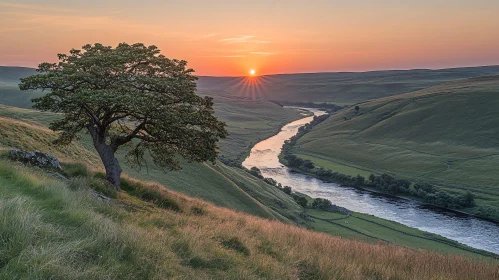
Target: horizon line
(320, 72)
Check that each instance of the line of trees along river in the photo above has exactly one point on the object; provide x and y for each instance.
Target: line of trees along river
(383, 183)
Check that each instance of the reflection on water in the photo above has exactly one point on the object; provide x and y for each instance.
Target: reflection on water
(462, 228)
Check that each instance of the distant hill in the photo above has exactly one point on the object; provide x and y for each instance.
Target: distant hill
(339, 88)
(446, 134)
(12, 74)
(9, 89)
(336, 87)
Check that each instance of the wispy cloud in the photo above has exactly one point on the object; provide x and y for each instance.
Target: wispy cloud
(259, 41)
(34, 7)
(248, 39)
(223, 56)
(264, 53)
(210, 35)
(238, 39)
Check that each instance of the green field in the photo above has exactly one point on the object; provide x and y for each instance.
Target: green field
(372, 229)
(247, 122)
(447, 135)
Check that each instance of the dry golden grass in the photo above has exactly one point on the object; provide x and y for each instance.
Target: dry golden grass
(283, 251)
(26, 136)
(61, 231)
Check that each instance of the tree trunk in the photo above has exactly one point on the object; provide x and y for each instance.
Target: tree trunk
(111, 164)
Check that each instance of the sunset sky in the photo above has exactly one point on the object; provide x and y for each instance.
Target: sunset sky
(228, 37)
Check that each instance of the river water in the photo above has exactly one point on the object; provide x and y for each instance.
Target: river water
(463, 228)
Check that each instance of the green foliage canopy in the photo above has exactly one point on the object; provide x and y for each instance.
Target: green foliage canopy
(129, 95)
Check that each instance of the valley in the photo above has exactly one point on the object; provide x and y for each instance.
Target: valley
(248, 140)
(445, 135)
(465, 229)
(251, 121)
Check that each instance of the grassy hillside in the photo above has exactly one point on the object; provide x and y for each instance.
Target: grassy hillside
(59, 230)
(447, 134)
(338, 88)
(220, 184)
(26, 129)
(248, 122)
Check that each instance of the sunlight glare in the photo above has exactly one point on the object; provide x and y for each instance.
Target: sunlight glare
(252, 72)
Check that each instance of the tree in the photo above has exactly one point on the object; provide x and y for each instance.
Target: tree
(129, 96)
(302, 201)
(372, 177)
(321, 203)
(287, 190)
(467, 199)
(359, 180)
(357, 108)
(270, 181)
(307, 164)
(255, 171)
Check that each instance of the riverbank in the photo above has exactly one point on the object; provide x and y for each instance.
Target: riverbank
(378, 192)
(372, 228)
(386, 184)
(476, 233)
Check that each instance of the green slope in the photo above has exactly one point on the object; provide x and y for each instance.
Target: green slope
(248, 122)
(447, 134)
(27, 129)
(51, 229)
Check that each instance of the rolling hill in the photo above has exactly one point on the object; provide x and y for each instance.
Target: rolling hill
(219, 184)
(447, 134)
(342, 88)
(337, 88)
(27, 130)
(9, 89)
(226, 186)
(248, 120)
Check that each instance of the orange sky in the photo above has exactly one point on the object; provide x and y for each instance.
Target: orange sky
(228, 37)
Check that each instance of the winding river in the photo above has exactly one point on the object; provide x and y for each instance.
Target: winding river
(465, 229)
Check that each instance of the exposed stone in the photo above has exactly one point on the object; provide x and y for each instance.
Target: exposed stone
(35, 158)
(101, 196)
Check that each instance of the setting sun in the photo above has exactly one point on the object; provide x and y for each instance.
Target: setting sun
(252, 72)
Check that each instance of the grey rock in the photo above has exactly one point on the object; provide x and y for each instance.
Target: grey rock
(35, 158)
(101, 196)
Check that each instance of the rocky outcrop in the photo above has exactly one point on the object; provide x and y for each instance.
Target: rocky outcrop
(36, 158)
